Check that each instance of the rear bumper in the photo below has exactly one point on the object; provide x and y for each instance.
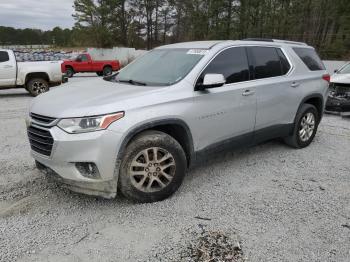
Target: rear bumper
(64, 79)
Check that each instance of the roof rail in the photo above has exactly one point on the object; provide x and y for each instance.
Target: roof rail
(275, 40)
(258, 39)
(289, 42)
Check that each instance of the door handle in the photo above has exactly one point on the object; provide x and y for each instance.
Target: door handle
(8, 66)
(248, 93)
(295, 84)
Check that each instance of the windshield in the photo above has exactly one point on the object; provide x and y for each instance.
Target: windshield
(345, 69)
(160, 67)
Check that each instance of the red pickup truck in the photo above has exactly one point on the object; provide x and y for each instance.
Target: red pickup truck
(84, 63)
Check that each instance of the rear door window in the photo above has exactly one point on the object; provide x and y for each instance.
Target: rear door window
(4, 56)
(285, 65)
(266, 62)
(310, 58)
(232, 63)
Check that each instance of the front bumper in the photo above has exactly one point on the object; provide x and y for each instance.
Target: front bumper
(338, 104)
(99, 147)
(105, 189)
(338, 99)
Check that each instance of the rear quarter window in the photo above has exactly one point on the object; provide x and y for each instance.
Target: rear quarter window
(266, 62)
(310, 58)
(4, 56)
(285, 65)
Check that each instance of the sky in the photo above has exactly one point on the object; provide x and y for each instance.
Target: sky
(40, 14)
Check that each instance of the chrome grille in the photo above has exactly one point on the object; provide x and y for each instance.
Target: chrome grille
(40, 140)
(40, 119)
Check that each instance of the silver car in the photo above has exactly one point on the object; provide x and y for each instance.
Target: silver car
(139, 130)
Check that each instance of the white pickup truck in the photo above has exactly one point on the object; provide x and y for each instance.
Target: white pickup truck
(35, 77)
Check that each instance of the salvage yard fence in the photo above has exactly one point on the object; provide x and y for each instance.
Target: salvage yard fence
(123, 54)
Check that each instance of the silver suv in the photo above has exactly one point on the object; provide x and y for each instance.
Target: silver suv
(140, 129)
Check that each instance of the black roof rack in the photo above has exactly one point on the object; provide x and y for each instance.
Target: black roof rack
(258, 39)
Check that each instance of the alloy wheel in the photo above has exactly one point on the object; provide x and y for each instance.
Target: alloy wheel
(152, 169)
(39, 87)
(307, 127)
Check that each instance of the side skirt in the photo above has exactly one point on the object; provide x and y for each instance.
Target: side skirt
(242, 141)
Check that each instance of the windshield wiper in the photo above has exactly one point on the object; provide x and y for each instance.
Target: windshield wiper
(133, 82)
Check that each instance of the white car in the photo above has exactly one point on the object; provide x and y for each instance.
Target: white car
(35, 77)
(342, 75)
(339, 96)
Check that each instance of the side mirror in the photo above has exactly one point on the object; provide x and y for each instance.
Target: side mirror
(212, 81)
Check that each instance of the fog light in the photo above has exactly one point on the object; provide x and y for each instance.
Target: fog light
(88, 170)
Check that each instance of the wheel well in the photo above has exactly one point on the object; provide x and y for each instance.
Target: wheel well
(317, 102)
(41, 75)
(107, 66)
(68, 66)
(177, 131)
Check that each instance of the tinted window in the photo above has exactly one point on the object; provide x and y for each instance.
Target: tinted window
(232, 63)
(84, 58)
(4, 56)
(310, 58)
(266, 62)
(284, 62)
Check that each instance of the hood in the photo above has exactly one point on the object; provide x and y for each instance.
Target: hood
(340, 78)
(91, 97)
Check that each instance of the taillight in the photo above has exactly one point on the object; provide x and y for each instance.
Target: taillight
(327, 78)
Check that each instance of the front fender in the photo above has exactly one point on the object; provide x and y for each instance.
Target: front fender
(138, 128)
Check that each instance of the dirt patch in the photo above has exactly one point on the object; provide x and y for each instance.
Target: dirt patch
(214, 246)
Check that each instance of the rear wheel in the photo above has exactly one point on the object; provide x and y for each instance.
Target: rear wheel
(69, 72)
(107, 70)
(37, 86)
(152, 168)
(305, 128)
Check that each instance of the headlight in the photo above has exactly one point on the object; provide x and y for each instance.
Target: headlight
(88, 124)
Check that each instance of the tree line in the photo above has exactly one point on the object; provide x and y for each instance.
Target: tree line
(324, 24)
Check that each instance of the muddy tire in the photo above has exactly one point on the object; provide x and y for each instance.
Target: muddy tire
(305, 128)
(153, 167)
(107, 71)
(37, 86)
(69, 72)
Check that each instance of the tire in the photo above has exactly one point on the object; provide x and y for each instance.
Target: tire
(99, 73)
(297, 140)
(107, 70)
(141, 184)
(69, 72)
(37, 86)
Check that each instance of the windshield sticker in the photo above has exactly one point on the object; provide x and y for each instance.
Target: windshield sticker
(197, 51)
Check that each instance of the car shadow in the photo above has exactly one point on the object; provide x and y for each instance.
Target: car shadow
(82, 76)
(9, 95)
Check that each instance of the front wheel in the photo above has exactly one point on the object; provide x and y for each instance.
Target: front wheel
(152, 168)
(305, 128)
(37, 86)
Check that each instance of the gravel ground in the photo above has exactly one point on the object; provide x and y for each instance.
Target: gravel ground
(274, 202)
